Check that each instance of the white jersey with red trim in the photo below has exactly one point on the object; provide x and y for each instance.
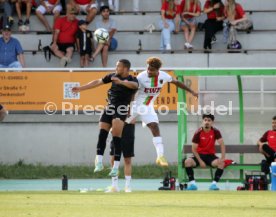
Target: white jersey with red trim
(150, 87)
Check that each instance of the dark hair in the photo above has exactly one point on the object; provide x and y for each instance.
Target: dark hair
(126, 63)
(212, 117)
(274, 118)
(154, 62)
(103, 8)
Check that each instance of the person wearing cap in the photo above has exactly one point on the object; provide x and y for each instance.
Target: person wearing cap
(88, 7)
(110, 25)
(65, 29)
(11, 52)
(84, 43)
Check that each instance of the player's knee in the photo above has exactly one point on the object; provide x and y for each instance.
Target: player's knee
(154, 128)
(127, 161)
(188, 162)
(220, 163)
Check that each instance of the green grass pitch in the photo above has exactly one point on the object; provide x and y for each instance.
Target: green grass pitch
(140, 203)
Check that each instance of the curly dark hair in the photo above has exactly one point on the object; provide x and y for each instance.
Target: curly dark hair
(154, 62)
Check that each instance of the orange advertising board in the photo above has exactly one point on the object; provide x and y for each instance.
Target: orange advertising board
(32, 91)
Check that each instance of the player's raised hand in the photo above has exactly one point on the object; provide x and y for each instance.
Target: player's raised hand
(195, 94)
(76, 89)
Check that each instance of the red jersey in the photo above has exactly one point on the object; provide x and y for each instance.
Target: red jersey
(206, 140)
(52, 2)
(239, 12)
(193, 9)
(270, 138)
(68, 30)
(83, 2)
(214, 13)
(170, 13)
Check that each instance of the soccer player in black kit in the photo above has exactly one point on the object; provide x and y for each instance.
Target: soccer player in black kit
(119, 97)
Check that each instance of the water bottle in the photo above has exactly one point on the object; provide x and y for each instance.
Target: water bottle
(64, 182)
(227, 185)
(140, 45)
(177, 186)
(273, 176)
(39, 48)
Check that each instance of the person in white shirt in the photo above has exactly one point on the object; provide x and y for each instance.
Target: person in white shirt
(151, 82)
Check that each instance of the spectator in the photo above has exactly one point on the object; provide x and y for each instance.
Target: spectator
(214, 23)
(84, 43)
(237, 20)
(110, 25)
(169, 22)
(114, 5)
(88, 7)
(65, 29)
(267, 144)
(203, 148)
(189, 10)
(11, 52)
(18, 6)
(48, 6)
(7, 16)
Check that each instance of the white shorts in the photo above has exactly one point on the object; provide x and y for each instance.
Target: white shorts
(83, 8)
(42, 9)
(146, 113)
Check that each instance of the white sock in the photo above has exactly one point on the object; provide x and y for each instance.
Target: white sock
(192, 182)
(115, 181)
(157, 142)
(99, 158)
(128, 179)
(116, 164)
(214, 182)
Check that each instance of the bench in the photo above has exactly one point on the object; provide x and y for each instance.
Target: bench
(239, 166)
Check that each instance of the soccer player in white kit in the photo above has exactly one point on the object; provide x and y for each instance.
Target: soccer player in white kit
(151, 82)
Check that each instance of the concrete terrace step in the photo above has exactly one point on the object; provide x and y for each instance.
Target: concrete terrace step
(151, 41)
(153, 5)
(187, 60)
(139, 22)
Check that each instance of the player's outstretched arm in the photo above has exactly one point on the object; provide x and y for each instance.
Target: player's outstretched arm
(90, 85)
(128, 84)
(184, 87)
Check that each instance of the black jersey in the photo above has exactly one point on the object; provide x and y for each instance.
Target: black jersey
(85, 40)
(119, 94)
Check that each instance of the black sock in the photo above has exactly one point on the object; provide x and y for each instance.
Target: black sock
(101, 141)
(218, 174)
(190, 173)
(117, 147)
(269, 151)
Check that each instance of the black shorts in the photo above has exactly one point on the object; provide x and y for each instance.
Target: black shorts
(1, 107)
(112, 112)
(207, 159)
(62, 47)
(85, 52)
(127, 141)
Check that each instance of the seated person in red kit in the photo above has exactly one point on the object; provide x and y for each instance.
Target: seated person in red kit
(203, 149)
